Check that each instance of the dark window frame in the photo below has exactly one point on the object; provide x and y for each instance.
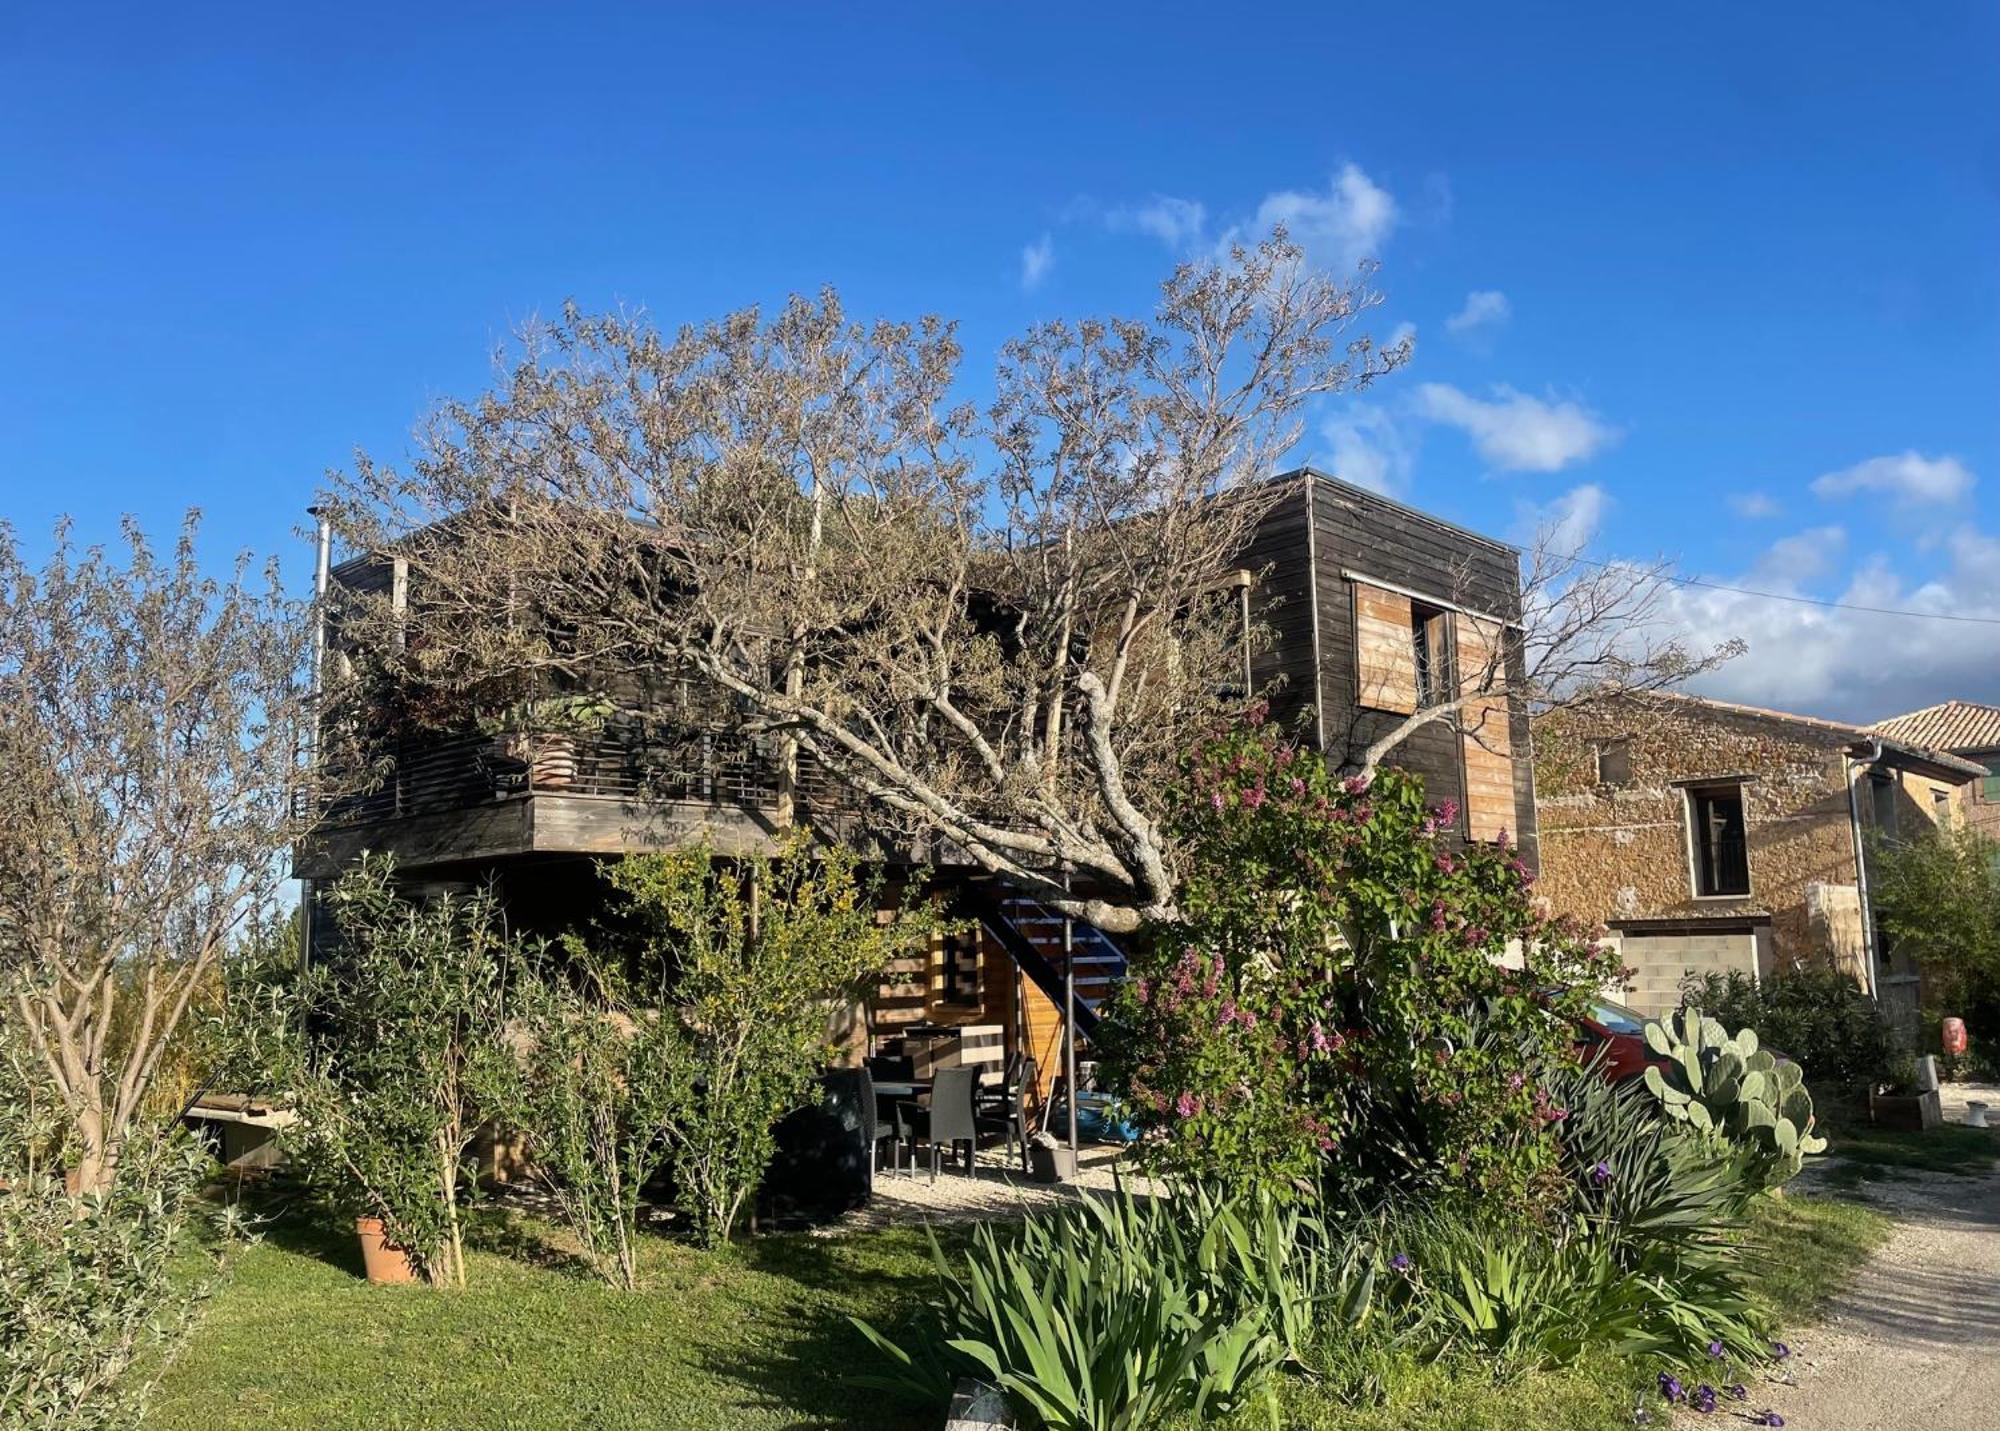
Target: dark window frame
(960, 960)
(1718, 846)
(1432, 655)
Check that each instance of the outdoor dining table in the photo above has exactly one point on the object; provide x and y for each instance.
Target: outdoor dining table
(902, 1087)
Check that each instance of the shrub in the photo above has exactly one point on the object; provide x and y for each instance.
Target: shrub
(751, 956)
(1813, 1013)
(1333, 1005)
(588, 1092)
(386, 1047)
(1122, 1311)
(95, 1291)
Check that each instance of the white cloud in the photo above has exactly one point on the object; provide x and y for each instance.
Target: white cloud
(1177, 223)
(1753, 505)
(1340, 227)
(1848, 664)
(1911, 478)
(1571, 522)
(1516, 432)
(1369, 449)
(1804, 557)
(1484, 308)
(1036, 261)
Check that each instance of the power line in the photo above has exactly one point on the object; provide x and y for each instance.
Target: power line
(1811, 600)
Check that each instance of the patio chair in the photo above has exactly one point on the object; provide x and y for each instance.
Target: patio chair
(894, 1129)
(1006, 1113)
(950, 1119)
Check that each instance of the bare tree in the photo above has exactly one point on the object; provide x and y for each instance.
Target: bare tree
(1001, 633)
(148, 724)
(1584, 630)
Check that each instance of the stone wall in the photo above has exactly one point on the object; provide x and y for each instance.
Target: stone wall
(1619, 851)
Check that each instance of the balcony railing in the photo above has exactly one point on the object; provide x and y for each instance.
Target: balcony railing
(630, 761)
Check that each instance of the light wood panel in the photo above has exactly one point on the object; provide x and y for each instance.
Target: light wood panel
(1385, 657)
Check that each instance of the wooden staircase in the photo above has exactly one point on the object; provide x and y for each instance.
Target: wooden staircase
(1033, 935)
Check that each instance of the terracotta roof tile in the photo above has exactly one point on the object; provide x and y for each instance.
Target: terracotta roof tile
(1954, 725)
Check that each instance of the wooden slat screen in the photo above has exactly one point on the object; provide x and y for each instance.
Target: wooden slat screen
(1486, 739)
(1385, 658)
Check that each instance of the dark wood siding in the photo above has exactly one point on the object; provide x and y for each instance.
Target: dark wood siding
(1280, 556)
(1354, 530)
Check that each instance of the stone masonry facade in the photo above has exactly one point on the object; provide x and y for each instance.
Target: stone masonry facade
(1614, 787)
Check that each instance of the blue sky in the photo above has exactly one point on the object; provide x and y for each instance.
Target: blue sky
(1712, 281)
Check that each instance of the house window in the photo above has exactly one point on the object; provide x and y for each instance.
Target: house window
(961, 969)
(1430, 639)
(1941, 806)
(1614, 762)
(1989, 784)
(1882, 799)
(1721, 845)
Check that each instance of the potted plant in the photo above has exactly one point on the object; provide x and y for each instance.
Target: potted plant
(1910, 1100)
(387, 1049)
(542, 735)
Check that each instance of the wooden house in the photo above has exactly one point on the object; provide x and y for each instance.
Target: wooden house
(1375, 609)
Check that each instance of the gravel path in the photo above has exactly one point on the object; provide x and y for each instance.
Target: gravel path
(1914, 1344)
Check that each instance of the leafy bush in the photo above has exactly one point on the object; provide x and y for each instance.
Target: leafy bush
(587, 1094)
(95, 1293)
(750, 956)
(1333, 1005)
(1123, 1311)
(386, 1047)
(1722, 1085)
(1813, 1013)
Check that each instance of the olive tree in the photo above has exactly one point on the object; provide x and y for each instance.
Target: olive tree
(150, 715)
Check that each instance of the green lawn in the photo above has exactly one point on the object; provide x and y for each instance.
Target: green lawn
(1862, 1154)
(756, 1336)
(1805, 1249)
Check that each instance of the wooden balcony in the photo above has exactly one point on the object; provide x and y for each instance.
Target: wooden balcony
(630, 787)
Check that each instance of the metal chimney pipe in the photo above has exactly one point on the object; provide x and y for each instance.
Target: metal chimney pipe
(322, 578)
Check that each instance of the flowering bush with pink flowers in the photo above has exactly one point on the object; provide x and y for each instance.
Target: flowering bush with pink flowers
(1355, 996)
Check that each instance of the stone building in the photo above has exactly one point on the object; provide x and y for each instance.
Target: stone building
(1707, 836)
(1969, 731)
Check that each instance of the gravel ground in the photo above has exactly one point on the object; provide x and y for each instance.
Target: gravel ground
(996, 1188)
(1915, 1342)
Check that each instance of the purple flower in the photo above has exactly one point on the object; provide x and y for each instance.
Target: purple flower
(1670, 1387)
(1739, 1391)
(1601, 1174)
(1186, 1106)
(1703, 1399)
(1715, 1350)
(1779, 1351)
(1400, 1262)
(1767, 1418)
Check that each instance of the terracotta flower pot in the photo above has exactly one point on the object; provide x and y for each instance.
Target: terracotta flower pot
(386, 1264)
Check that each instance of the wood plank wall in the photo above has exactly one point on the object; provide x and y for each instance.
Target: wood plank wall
(1304, 546)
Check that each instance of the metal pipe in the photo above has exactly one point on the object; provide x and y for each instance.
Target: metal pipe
(1069, 1019)
(322, 579)
(1861, 868)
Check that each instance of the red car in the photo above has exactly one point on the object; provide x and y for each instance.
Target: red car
(1621, 1033)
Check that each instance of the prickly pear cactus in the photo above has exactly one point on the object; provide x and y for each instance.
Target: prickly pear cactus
(1725, 1086)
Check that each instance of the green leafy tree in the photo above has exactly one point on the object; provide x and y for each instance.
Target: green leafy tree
(388, 1047)
(589, 1090)
(1937, 899)
(753, 954)
(1352, 995)
(97, 1291)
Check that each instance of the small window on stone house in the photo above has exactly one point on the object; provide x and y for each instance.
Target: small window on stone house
(1941, 806)
(1720, 841)
(1614, 761)
(1988, 790)
(1882, 802)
